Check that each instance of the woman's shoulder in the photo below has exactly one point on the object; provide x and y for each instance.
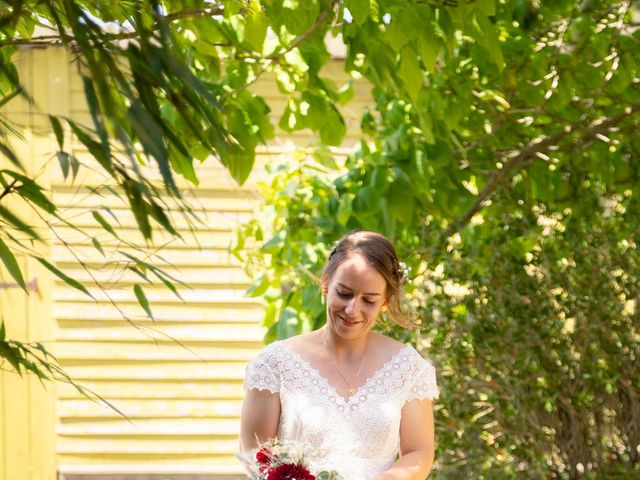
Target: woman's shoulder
(304, 342)
(397, 347)
(269, 351)
(389, 345)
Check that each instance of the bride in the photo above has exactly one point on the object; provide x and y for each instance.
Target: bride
(361, 400)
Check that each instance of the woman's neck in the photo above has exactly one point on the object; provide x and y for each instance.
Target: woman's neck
(344, 349)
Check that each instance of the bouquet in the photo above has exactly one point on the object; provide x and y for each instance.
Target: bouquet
(276, 460)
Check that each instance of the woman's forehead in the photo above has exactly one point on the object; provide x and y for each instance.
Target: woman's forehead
(356, 271)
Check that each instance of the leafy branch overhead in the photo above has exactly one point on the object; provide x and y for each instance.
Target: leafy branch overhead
(166, 86)
(501, 157)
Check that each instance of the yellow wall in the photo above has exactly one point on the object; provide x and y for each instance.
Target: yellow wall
(27, 415)
(183, 404)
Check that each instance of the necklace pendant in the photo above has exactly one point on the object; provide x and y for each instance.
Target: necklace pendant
(351, 391)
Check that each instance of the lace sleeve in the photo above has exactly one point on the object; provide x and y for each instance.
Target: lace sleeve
(423, 384)
(263, 371)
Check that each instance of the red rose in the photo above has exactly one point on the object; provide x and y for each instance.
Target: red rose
(263, 457)
(290, 471)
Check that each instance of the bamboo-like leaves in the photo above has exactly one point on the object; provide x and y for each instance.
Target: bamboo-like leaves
(29, 190)
(7, 152)
(64, 277)
(9, 260)
(36, 359)
(103, 223)
(18, 223)
(57, 129)
(142, 299)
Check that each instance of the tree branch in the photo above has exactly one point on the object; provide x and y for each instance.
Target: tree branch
(321, 19)
(271, 59)
(7, 189)
(45, 40)
(529, 153)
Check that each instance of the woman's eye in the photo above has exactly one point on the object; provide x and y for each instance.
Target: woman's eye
(370, 302)
(343, 294)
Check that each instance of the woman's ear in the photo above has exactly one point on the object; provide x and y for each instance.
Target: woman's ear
(324, 285)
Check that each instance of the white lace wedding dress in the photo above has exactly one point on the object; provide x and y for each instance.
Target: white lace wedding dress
(357, 437)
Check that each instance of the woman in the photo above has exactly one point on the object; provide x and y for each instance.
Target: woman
(356, 397)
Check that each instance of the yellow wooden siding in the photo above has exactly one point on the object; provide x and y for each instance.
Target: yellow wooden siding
(184, 403)
(27, 416)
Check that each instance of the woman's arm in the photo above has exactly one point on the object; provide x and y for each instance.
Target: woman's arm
(416, 443)
(259, 418)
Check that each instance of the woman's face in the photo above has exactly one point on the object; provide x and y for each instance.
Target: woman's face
(355, 294)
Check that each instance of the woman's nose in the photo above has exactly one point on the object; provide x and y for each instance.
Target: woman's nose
(350, 309)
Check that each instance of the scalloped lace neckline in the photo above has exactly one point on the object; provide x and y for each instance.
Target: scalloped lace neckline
(371, 378)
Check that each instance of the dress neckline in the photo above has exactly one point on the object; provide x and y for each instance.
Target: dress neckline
(370, 379)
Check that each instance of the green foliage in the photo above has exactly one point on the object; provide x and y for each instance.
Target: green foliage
(499, 156)
(35, 359)
(503, 165)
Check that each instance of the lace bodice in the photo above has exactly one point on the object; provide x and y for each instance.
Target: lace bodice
(358, 437)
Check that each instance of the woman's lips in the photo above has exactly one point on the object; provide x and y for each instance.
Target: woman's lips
(349, 323)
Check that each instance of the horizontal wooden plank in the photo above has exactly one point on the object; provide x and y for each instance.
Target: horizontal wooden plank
(151, 352)
(164, 313)
(201, 278)
(184, 333)
(123, 464)
(200, 296)
(148, 372)
(200, 201)
(226, 427)
(135, 409)
(173, 257)
(207, 221)
(172, 389)
(154, 445)
(233, 313)
(210, 244)
(191, 274)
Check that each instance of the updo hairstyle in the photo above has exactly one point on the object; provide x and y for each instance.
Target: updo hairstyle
(380, 253)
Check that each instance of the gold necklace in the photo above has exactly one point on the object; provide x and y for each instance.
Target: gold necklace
(350, 390)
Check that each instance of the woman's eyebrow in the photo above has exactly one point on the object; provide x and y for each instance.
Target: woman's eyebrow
(350, 289)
